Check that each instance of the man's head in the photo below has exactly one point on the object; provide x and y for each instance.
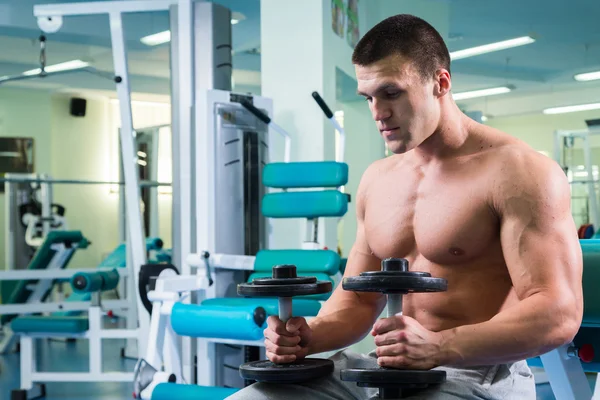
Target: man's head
(403, 70)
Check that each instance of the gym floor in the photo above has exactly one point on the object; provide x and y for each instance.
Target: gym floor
(61, 356)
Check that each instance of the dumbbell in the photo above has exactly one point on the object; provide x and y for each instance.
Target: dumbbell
(394, 280)
(285, 284)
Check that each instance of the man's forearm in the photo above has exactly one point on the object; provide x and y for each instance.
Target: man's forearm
(340, 328)
(534, 326)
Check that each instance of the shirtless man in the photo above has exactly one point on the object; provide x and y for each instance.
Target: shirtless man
(464, 202)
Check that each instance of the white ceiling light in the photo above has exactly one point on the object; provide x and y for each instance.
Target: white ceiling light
(237, 17)
(66, 66)
(488, 48)
(568, 109)
(157, 38)
(588, 76)
(481, 93)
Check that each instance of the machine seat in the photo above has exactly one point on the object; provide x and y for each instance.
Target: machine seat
(169, 391)
(51, 324)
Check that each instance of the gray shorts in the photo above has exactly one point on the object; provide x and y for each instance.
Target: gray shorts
(498, 382)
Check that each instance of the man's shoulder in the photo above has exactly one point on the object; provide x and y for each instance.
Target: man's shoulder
(517, 159)
(520, 172)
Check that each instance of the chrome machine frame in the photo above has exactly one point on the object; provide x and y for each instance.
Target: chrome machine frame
(50, 20)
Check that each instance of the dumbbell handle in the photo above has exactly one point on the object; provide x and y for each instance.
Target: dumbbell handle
(285, 308)
(394, 303)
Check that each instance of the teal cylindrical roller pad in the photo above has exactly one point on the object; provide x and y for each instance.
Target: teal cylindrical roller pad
(170, 391)
(302, 307)
(241, 323)
(83, 282)
(111, 279)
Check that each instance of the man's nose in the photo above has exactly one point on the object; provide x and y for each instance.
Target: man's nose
(380, 110)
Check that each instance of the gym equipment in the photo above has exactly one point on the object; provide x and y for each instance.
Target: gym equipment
(30, 215)
(32, 287)
(285, 284)
(32, 327)
(327, 111)
(394, 280)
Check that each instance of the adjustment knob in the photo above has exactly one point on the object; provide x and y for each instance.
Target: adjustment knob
(394, 264)
(284, 271)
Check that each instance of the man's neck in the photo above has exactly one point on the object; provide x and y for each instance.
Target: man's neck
(450, 135)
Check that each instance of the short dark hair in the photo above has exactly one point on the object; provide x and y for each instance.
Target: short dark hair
(408, 36)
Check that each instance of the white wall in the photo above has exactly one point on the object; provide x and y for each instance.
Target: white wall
(25, 113)
(85, 148)
(81, 150)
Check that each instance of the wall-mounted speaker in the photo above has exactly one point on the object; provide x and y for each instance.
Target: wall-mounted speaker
(77, 107)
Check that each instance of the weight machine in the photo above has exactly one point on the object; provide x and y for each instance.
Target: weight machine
(30, 215)
(581, 176)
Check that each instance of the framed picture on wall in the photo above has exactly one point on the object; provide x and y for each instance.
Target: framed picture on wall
(16, 155)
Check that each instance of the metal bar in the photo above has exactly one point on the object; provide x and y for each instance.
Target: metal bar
(342, 143)
(94, 340)
(288, 141)
(18, 275)
(223, 261)
(30, 308)
(180, 283)
(285, 308)
(566, 375)
(9, 240)
(79, 182)
(135, 224)
(46, 193)
(82, 377)
(100, 7)
(184, 114)
(90, 70)
(394, 303)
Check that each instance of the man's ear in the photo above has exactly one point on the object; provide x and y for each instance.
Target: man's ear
(443, 82)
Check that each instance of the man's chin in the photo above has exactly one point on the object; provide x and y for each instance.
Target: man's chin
(397, 147)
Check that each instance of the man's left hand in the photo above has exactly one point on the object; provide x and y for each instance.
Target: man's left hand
(404, 343)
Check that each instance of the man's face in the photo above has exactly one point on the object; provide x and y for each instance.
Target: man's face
(402, 103)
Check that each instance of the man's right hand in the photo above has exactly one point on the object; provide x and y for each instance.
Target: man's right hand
(287, 342)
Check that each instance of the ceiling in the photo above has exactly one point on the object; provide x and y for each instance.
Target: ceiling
(567, 42)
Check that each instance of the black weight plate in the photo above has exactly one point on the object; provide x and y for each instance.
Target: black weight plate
(396, 273)
(394, 284)
(300, 371)
(285, 281)
(380, 377)
(250, 290)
